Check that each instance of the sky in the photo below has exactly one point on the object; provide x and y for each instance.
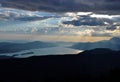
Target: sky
(59, 20)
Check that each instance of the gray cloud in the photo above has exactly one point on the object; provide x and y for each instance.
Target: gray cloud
(102, 6)
(22, 15)
(89, 21)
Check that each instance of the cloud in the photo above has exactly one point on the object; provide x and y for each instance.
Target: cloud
(23, 15)
(102, 6)
(68, 23)
(94, 24)
(91, 20)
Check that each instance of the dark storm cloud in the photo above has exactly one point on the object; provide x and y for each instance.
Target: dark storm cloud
(102, 6)
(89, 21)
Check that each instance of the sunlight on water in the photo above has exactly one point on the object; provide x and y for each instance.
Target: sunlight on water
(44, 51)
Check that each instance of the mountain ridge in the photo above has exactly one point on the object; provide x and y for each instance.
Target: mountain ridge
(111, 44)
(9, 47)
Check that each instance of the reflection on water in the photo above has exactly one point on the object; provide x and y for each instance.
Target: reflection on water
(44, 51)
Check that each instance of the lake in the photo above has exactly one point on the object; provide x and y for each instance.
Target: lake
(44, 51)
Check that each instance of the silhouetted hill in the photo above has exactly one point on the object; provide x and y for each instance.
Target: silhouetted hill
(6, 47)
(92, 65)
(6, 57)
(99, 51)
(113, 44)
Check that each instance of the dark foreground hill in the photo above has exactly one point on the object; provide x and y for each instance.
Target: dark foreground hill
(93, 65)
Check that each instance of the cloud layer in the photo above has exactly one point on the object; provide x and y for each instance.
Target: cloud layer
(101, 6)
(61, 24)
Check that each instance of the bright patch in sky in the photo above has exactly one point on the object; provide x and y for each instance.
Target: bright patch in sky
(101, 16)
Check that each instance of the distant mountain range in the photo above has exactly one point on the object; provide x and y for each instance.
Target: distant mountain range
(90, 65)
(6, 47)
(113, 44)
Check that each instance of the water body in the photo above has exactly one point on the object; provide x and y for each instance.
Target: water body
(44, 51)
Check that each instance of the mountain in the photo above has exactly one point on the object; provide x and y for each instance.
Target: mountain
(91, 65)
(6, 47)
(111, 44)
